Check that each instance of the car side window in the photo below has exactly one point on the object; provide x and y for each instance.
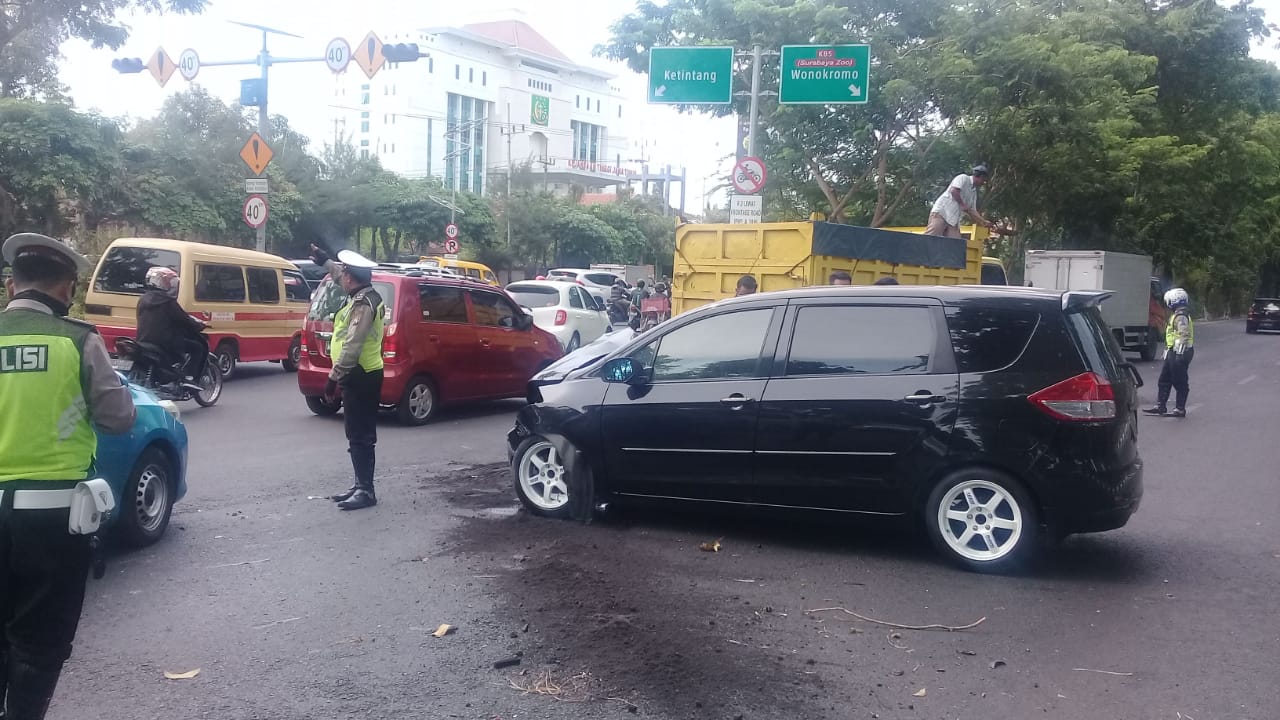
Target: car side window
(220, 283)
(296, 288)
(492, 310)
(575, 299)
(861, 340)
(264, 285)
(441, 303)
(722, 346)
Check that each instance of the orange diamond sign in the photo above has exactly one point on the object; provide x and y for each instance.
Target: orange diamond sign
(368, 55)
(256, 154)
(161, 66)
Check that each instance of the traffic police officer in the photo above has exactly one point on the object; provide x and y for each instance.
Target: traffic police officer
(356, 349)
(1180, 338)
(56, 386)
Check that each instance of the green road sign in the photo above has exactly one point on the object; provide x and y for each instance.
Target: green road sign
(824, 74)
(691, 75)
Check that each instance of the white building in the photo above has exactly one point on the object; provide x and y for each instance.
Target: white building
(487, 97)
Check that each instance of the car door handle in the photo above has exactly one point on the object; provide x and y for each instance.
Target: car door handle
(924, 397)
(484, 342)
(736, 400)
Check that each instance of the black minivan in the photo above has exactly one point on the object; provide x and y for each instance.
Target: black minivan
(995, 415)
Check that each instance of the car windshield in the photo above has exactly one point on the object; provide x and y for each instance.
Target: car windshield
(535, 296)
(311, 271)
(330, 297)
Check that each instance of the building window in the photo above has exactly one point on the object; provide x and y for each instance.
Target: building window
(365, 86)
(471, 75)
(393, 147)
(457, 72)
(619, 111)
(364, 154)
(588, 140)
(393, 119)
(364, 98)
(364, 143)
(597, 106)
(484, 79)
(577, 101)
(464, 143)
(393, 92)
(431, 65)
(364, 126)
(364, 115)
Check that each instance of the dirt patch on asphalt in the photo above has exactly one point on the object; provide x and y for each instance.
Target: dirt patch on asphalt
(606, 604)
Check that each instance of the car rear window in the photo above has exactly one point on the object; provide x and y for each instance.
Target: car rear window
(330, 297)
(986, 339)
(1266, 305)
(534, 296)
(861, 339)
(1101, 352)
(563, 274)
(124, 269)
(993, 274)
(602, 278)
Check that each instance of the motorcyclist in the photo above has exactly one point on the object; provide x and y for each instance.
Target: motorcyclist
(619, 300)
(162, 322)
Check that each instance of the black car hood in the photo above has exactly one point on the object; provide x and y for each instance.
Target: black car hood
(584, 359)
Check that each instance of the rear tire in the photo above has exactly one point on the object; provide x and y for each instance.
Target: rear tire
(227, 358)
(291, 362)
(983, 520)
(419, 401)
(210, 383)
(320, 407)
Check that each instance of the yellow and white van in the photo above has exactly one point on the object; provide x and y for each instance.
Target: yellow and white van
(255, 303)
(474, 270)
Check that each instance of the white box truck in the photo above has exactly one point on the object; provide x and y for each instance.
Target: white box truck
(1136, 322)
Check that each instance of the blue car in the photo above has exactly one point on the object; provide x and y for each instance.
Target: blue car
(146, 468)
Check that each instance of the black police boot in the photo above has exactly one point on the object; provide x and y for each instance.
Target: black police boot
(337, 498)
(30, 690)
(362, 498)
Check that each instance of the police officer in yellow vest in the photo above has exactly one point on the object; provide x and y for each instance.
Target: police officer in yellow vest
(56, 386)
(356, 349)
(1180, 337)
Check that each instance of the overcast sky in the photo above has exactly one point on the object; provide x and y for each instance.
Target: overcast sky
(303, 92)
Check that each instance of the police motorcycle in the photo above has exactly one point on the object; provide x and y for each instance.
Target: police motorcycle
(149, 367)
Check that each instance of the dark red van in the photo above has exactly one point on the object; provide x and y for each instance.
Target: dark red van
(447, 342)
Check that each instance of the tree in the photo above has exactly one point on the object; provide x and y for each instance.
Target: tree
(31, 31)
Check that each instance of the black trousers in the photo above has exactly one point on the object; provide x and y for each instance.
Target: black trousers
(1173, 376)
(197, 351)
(43, 570)
(360, 394)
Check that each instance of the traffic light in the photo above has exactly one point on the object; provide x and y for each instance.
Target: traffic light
(403, 52)
(128, 65)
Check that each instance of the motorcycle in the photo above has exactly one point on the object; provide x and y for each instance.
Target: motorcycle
(150, 368)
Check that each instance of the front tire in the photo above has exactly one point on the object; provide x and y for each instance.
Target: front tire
(227, 357)
(147, 501)
(983, 520)
(418, 403)
(541, 478)
(574, 343)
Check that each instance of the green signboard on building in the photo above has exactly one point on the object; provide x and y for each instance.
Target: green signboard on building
(540, 112)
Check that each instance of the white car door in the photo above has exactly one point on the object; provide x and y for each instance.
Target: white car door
(586, 317)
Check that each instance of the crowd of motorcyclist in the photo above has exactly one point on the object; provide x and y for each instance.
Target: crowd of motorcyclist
(626, 304)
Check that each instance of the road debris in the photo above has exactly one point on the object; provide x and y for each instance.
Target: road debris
(572, 690)
(443, 630)
(238, 564)
(1104, 672)
(713, 546)
(886, 623)
(507, 662)
(181, 675)
(997, 664)
(920, 693)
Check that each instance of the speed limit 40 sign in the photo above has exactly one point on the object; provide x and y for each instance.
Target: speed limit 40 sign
(255, 211)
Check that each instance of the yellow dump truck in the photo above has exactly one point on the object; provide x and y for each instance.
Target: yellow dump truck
(710, 258)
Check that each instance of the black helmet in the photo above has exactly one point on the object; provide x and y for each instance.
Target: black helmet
(980, 170)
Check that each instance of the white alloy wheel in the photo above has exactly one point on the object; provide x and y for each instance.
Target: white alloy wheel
(542, 477)
(980, 521)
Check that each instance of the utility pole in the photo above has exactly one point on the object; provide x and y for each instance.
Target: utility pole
(460, 148)
(755, 99)
(546, 163)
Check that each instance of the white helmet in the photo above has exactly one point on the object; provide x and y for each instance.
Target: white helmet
(162, 278)
(1176, 297)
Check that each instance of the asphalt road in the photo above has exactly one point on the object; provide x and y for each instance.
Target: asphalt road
(293, 610)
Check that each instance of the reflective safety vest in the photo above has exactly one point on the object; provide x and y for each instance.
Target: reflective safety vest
(45, 432)
(371, 351)
(1171, 331)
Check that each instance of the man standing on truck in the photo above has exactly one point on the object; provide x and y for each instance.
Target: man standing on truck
(746, 286)
(1180, 337)
(958, 200)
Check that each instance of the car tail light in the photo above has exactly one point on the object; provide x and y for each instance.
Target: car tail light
(562, 317)
(1087, 397)
(579, 281)
(308, 341)
(1253, 313)
(391, 343)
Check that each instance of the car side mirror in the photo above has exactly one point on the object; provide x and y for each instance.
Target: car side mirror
(524, 321)
(624, 370)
